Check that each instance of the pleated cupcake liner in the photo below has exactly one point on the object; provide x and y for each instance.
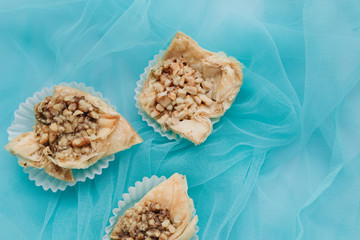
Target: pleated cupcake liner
(24, 122)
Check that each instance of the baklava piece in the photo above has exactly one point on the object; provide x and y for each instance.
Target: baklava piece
(164, 213)
(73, 131)
(188, 86)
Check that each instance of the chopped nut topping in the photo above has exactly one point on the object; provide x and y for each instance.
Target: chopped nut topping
(72, 107)
(159, 87)
(154, 113)
(163, 100)
(181, 93)
(197, 100)
(191, 89)
(170, 107)
(163, 119)
(206, 85)
(189, 100)
(78, 112)
(167, 83)
(178, 87)
(172, 96)
(146, 221)
(179, 100)
(53, 127)
(205, 99)
(180, 107)
(175, 68)
(65, 126)
(160, 108)
(44, 138)
(79, 142)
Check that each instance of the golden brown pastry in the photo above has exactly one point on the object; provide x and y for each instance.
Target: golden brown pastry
(188, 86)
(74, 130)
(164, 213)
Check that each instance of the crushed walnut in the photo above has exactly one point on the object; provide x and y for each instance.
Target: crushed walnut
(65, 126)
(179, 91)
(146, 222)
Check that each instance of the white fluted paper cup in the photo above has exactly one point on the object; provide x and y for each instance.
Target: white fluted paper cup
(145, 117)
(135, 195)
(24, 122)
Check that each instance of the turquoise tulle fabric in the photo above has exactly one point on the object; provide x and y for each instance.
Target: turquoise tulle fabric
(282, 163)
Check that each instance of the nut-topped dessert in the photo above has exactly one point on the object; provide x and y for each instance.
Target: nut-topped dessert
(73, 131)
(188, 87)
(164, 213)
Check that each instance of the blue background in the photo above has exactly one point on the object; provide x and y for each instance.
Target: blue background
(282, 163)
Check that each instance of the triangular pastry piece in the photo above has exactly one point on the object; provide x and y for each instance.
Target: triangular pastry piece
(164, 213)
(74, 130)
(188, 86)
